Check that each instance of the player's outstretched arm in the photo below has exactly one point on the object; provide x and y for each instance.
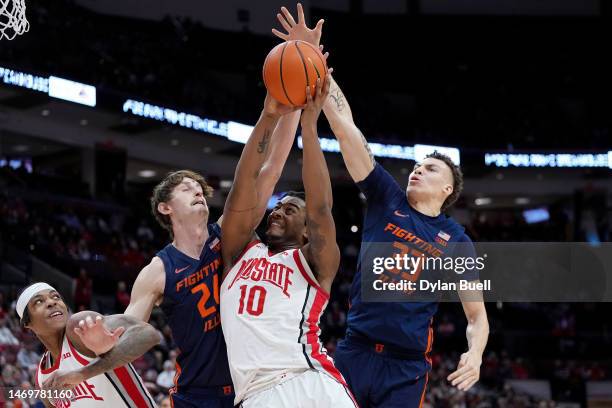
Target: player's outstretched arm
(245, 204)
(117, 340)
(147, 291)
(353, 145)
(321, 251)
(477, 333)
(281, 142)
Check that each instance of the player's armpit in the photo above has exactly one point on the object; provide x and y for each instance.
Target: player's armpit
(147, 291)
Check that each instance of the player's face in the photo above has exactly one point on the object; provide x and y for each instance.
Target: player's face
(187, 199)
(48, 313)
(287, 221)
(431, 178)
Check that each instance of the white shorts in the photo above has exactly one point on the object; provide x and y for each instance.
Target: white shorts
(311, 389)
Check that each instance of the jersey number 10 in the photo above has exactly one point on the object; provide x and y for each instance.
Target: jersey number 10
(256, 290)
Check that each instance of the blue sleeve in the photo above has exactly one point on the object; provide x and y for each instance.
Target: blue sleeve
(380, 190)
(465, 249)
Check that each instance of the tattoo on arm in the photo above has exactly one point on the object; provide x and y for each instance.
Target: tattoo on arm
(132, 344)
(263, 145)
(338, 97)
(367, 146)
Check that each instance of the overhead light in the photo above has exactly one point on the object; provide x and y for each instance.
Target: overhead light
(225, 184)
(147, 173)
(21, 148)
(354, 228)
(483, 201)
(84, 122)
(174, 142)
(45, 112)
(521, 200)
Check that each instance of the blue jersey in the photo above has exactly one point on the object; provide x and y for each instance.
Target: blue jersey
(389, 219)
(191, 304)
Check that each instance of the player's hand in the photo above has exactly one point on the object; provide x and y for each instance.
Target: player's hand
(468, 371)
(95, 336)
(313, 107)
(63, 380)
(274, 108)
(298, 31)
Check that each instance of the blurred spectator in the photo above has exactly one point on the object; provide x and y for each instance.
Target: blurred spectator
(165, 379)
(122, 297)
(165, 403)
(6, 336)
(83, 291)
(28, 357)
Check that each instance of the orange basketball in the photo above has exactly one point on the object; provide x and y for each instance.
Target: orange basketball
(289, 68)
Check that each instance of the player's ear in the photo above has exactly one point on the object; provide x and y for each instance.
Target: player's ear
(448, 189)
(164, 208)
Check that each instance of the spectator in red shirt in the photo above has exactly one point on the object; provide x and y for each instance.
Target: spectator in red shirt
(122, 298)
(83, 291)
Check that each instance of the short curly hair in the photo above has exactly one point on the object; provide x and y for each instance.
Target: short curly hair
(162, 193)
(457, 178)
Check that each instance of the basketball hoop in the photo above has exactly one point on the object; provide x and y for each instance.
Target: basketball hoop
(13, 19)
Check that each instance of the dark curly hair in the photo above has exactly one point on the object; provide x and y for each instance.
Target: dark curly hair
(457, 178)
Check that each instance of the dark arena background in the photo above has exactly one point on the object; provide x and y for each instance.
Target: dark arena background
(100, 99)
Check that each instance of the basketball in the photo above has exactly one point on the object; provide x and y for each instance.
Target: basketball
(289, 68)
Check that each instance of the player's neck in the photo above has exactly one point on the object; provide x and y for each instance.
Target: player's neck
(276, 247)
(53, 343)
(429, 208)
(190, 239)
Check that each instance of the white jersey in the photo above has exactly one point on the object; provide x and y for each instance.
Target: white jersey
(121, 387)
(270, 310)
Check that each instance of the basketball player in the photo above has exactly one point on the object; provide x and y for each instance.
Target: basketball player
(273, 295)
(184, 277)
(394, 339)
(69, 364)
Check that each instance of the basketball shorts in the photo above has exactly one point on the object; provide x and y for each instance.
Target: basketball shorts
(311, 389)
(379, 380)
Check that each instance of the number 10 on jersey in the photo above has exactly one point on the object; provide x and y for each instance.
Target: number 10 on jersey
(255, 298)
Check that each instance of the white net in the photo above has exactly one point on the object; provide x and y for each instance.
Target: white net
(13, 19)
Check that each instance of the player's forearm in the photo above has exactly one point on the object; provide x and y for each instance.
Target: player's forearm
(356, 153)
(243, 195)
(315, 174)
(272, 168)
(477, 331)
(135, 341)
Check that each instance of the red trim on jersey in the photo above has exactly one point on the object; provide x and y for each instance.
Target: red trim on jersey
(312, 338)
(76, 354)
(51, 369)
(311, 282)
(131, 387)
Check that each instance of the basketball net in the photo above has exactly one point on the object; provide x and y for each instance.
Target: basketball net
(13, 19)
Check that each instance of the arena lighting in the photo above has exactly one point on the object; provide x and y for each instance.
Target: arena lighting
(569, 160)
(173, 117)
(24, 80)
(72, 91)
(53, 86)
(393, 151)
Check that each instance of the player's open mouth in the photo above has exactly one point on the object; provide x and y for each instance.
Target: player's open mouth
(55, 314)
(198, 202)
